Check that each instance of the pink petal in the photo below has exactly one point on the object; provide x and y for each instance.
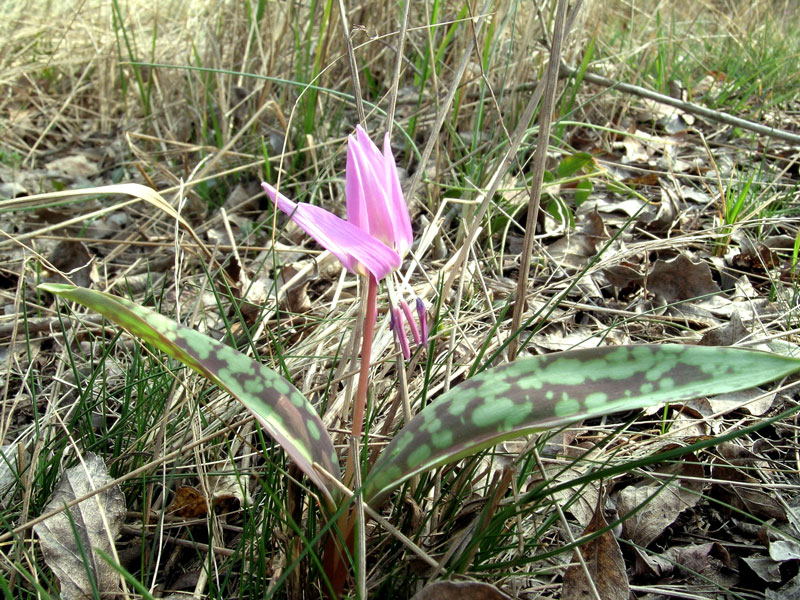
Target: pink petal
(373, 192)
(411, 323)
(358, 251)
(422, 313)
(401, 221)
(400, 332)
(354, 191)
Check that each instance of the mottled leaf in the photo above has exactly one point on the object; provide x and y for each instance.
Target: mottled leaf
(280, 408)
(543, 392)
(68, 541)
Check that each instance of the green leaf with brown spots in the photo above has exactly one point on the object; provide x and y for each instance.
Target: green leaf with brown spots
(544, 392)
(280, 408)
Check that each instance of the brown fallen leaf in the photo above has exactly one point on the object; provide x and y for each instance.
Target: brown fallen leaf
(604, 561)
(187, 503)
(681, 279)
(68, 541)
(764, 567)
(748, 497)
(787, 592)
(574, 250)
(688, 565)
(75, 165)
(73, 259)
(459, 590)
(663, 502)
(727, 335)
(228, 493)
(782, 550)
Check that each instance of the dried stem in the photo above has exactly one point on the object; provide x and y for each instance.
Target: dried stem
(539, 160)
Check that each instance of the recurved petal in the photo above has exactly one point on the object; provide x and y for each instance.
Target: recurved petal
(357, 250)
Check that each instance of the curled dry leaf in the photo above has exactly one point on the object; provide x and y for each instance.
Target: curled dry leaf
(782, 550)
(726, 335)
(229, 492)
(788, 591)
(459, 590)
(603, 558)
(68, 541)
(75, 165)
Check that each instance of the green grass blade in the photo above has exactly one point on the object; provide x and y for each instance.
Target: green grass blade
(280, 408)
(543, 392)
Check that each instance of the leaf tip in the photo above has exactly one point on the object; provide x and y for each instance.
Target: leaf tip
(57, 288)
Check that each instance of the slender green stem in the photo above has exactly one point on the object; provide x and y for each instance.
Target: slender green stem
(366, 350)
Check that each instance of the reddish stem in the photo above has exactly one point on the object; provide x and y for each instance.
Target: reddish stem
(370, 316)
(333, 562)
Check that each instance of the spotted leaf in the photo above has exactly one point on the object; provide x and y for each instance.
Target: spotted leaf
(280, 408)
(543, 392)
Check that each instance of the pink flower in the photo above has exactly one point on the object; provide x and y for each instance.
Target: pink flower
(377, 233)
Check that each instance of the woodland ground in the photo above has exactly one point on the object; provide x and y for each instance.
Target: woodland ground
(657, 225)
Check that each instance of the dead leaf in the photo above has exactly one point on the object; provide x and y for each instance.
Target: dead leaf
(765, 568)
(604, 561)
(228, 493)
(749, 497)
(781, 550)
(95, 523)
(76, 165)
(754, 401)
(294, 279)
(574, 250)
(72, 259)
(188, 503)
(790, 591)
(459, 590)
(661, 502)
(694, 558)
(647, 179)
(727, 335)
(681, 279)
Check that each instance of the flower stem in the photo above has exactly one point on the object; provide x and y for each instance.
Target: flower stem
(366, 350)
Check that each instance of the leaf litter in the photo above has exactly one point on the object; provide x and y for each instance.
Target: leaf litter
(70, 539)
